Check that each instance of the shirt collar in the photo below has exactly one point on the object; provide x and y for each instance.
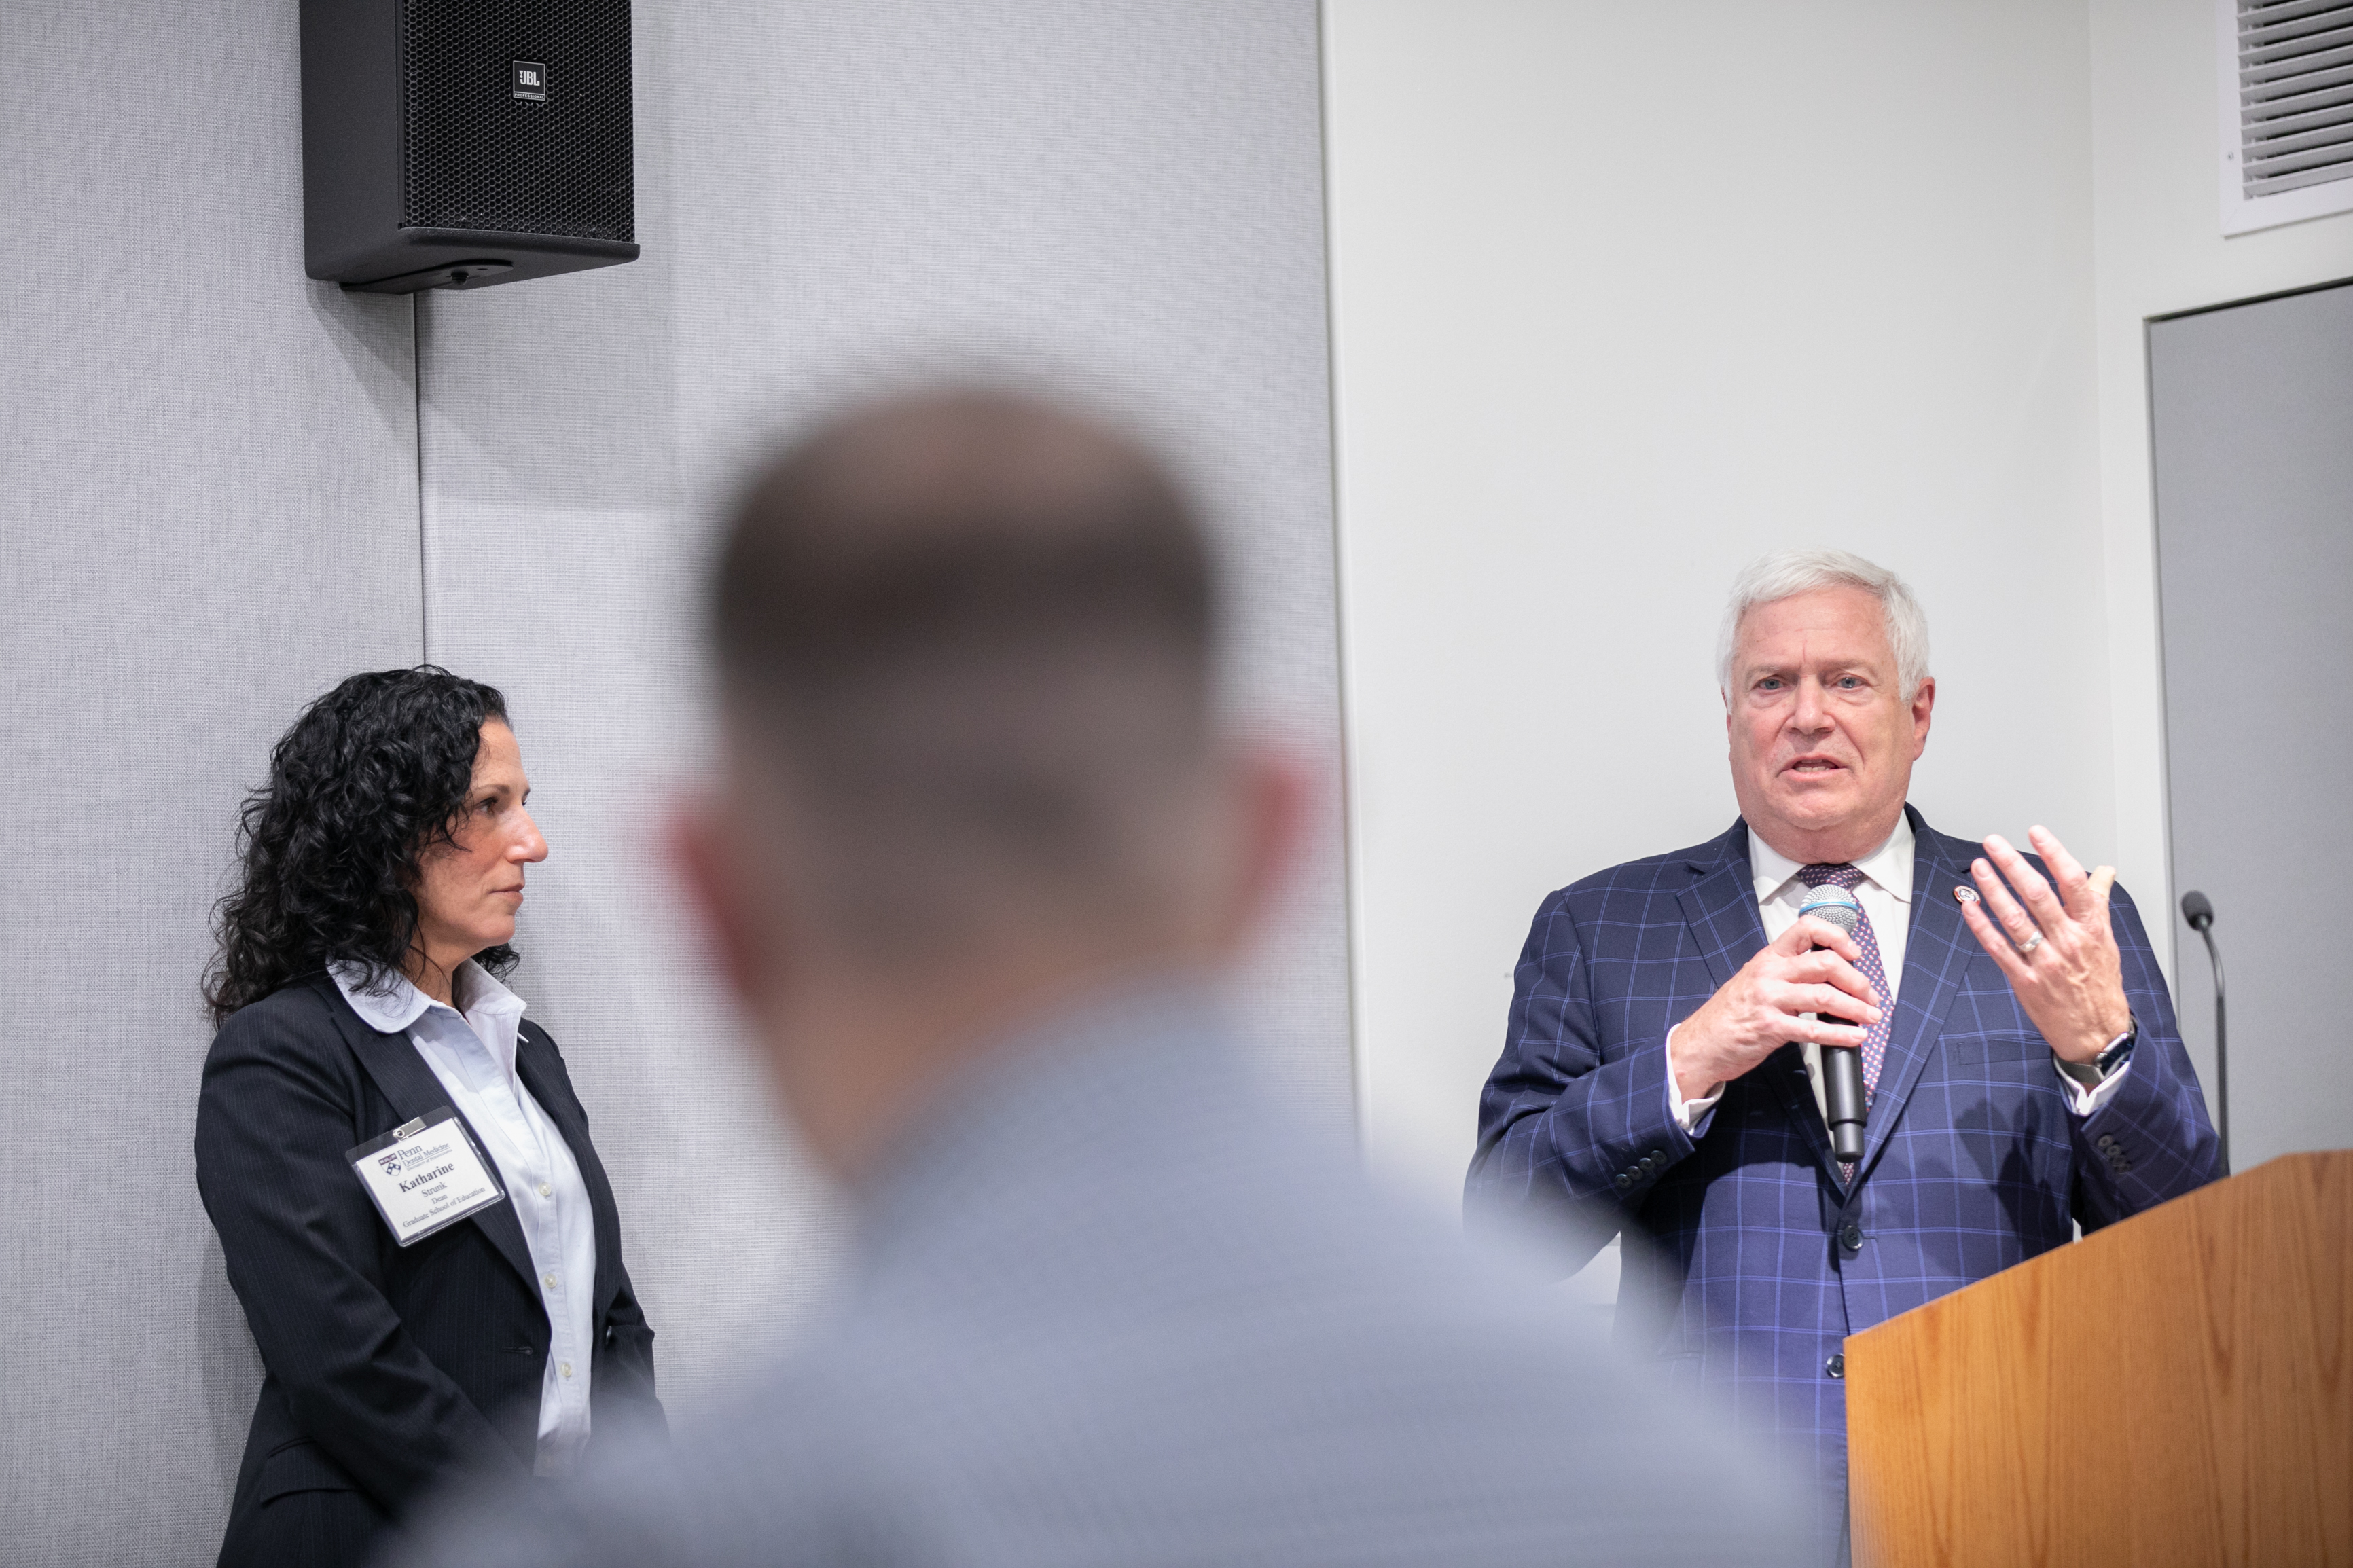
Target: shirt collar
(1887, 868)
(392, 1009)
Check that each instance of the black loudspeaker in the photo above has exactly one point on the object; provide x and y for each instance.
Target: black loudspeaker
(455, 143)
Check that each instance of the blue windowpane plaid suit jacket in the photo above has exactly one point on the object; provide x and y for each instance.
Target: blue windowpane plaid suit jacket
(1973, 1161)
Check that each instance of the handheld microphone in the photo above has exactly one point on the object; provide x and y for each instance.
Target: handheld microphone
(1842, 1065)
(2199, 910)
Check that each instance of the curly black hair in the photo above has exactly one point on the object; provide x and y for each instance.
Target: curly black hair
(371, 776)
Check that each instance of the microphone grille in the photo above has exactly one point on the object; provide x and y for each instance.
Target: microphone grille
(1832, 906)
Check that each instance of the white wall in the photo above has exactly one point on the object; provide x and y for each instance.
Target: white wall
(1624, 297)
(2158, 248)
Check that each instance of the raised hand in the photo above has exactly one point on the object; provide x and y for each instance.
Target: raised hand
(2055, 945)
(1764, 1007)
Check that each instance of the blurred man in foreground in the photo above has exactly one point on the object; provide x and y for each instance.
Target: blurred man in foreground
(980, 857)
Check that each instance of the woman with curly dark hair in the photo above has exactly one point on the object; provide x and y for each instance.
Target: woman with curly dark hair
(466, 1311)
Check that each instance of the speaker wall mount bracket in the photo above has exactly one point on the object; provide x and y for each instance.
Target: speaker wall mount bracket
(457, 275)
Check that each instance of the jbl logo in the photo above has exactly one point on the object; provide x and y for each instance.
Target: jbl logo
(531, 80)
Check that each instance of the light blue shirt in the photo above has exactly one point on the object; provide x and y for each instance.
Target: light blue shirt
(1111, 1304)
(473, 1052)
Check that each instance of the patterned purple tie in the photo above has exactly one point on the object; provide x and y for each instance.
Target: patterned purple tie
(1874, 1043)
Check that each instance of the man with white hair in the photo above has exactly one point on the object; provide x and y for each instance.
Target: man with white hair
(1661, 1073)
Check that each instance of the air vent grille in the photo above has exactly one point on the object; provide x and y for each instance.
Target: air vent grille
(2290, 85)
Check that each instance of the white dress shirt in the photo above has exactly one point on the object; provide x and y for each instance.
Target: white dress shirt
(473, 1053)
(1885, 895)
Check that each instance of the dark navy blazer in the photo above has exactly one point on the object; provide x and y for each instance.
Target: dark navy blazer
(389, 1367)
(1763, 1261)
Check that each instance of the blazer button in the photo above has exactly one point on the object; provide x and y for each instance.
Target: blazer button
(1836, 1366)
(2106, 1143)
(1624, 1181)
(1851, 1236)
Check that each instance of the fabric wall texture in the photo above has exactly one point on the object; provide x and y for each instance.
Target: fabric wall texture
(1123, 204)
(207, 512)
(224, 488)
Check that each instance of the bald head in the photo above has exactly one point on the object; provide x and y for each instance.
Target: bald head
(967, 637)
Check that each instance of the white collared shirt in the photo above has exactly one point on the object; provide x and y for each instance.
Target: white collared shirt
(1885, 895)
(473, 1053)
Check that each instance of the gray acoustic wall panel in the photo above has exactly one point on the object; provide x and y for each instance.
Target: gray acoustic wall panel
(2253, 438)
(207, 515)
(209, 512)
(1123, 202)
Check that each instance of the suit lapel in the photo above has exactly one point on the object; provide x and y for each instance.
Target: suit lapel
(1937, 950)
(540, 1067)
(1720, 906)
(403, 1077)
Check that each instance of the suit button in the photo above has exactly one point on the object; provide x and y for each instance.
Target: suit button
(1624, 1181)
(1835, 1367)
(2106, 1143)
(1851, 1236)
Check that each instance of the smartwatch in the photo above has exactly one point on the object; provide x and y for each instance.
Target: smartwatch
(2100, 1068)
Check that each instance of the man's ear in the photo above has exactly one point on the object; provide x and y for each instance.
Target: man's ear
(1276, 791)
(706, 847)
(1924, 703)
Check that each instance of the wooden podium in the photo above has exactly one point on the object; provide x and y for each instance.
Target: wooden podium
(2177, 1388)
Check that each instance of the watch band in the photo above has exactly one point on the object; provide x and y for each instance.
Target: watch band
(2114, 1057)
(2100, 1068)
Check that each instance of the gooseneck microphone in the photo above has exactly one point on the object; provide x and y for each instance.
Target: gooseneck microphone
(1842, 1065)
(2199, 910)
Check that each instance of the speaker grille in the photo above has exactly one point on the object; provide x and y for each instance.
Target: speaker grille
(478, 156)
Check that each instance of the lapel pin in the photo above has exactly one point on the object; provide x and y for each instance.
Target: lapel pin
(1965, 895)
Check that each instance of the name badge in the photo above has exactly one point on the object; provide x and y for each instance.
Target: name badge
(427, 1176)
